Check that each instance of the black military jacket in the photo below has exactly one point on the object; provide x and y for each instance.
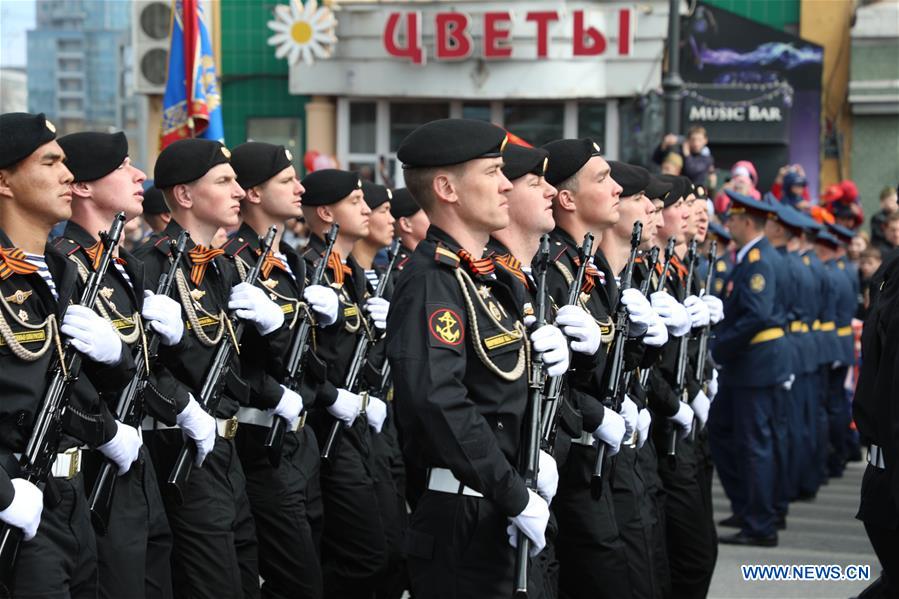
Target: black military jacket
(26, 306)
(459, 356)
(189, 361)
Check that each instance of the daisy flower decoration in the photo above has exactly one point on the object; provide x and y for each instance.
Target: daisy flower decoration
(303, 31)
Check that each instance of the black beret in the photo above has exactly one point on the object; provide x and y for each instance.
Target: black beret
(403, 204)
(375, 194)
(21, 133)
(451, 141)
(567, 156)
(256, 162)
(154, 201)
(186, 160)
(518, 161)
(329, 186)
(681, 187)
(658, 189)
(632, 178)
(92, 155)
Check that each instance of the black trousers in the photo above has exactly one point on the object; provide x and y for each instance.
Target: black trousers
(690, 532)
(592, 557)
(649, 463)
(457, 548)
(286, 506)
(635, 518)
(389, 478)
(134, 556)
(878, 510)
(354, 539)
(61, 561)
(215, 550)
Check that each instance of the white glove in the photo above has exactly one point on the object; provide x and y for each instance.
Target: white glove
(164, 315)
(683, 419)
(788, 384)
(376, 413)
(697, 310)
(532, 522)
(669, 310)
(199, 426)
(251, 303)
(551, 342)
(378, 307)
(24, 512)
(611, 431)
(123, 448)
(323, 302)
(629, 412)
(700, 405)
(657, 333)
(289, 407)
(715, 306)
(713, 385)
(581, 328)
(639, 311)
(92, 335)
(346, 407)
(644, 419)
(547, 477)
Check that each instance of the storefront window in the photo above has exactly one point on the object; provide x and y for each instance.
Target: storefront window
(536, 123)
(591, 121)
(405, 117)
(362, 127)
(479, 111)
(279, 131)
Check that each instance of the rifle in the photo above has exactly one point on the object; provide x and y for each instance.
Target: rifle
(614, 391)
(384, 375)
(706, 330)
(40, 452)
(211, 391)
(554, 386)
(274, 441)
(683, 346)
(129, 409)
(644, 290)
(669, 254)
(360, 355)
(531, 455)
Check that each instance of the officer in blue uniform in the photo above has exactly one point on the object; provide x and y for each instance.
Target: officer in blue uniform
(839, 326)
(783, 231)
(754, 362)
(724, 263)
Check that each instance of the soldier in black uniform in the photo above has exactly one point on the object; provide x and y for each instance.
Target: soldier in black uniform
(37, 284)
(875, 415)
(459, 351)
(354, 541)
(135, 550)
(156, 213)
(215, 550)
(286, 500)
(592, 557)
(411, 224)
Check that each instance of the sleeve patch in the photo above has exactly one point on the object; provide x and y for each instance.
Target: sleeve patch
(445, 327)
(754, 255)
(721, 266)
(757, 283)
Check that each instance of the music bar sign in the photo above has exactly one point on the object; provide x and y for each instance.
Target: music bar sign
(732, 114)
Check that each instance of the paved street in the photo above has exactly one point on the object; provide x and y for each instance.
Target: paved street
(823, 532)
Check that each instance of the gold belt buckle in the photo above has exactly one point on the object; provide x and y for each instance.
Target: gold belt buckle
(74, 462)
(231, 428)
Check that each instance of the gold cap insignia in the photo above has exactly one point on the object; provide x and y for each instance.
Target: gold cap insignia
(288, 154)
(505, 142)
(596, 147)
(50, 126)
(389, 195)
(226, 152)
